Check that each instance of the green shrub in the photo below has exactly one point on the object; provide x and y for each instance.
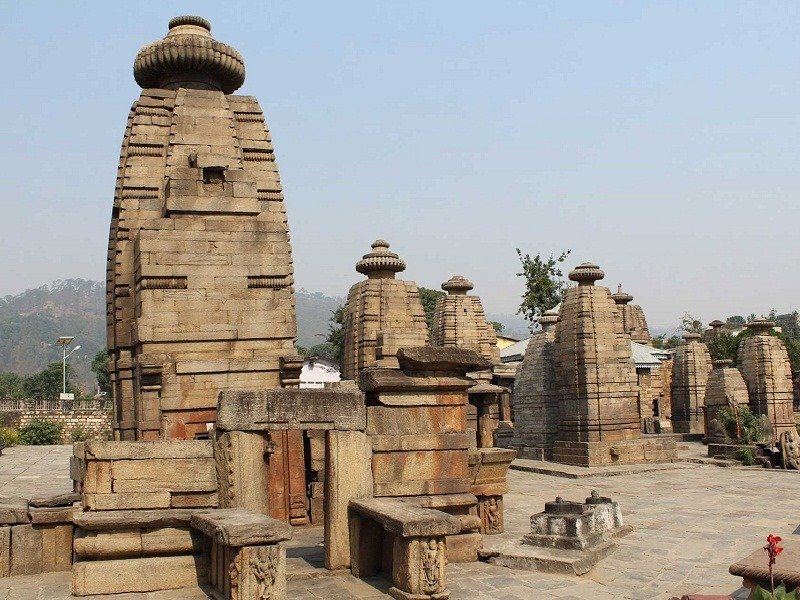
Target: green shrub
(747, 456)
(750, 426)
(78, 435)
(9, 437)
(39, 432)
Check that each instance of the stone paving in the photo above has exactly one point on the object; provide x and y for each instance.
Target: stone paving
(690, 523)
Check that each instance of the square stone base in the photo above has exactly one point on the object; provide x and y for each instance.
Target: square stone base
(625, 452)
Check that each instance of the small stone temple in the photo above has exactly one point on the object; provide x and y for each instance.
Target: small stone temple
(460, 322)
(767, 372)
(599, 420)
(382, 313)
(634, 322)
(725, 389)
(199, 278)
(690, 369)
(536, 394)
(715, 328)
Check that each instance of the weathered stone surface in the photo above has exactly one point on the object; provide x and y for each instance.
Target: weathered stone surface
(754, 569)
(138, 542)
(103, 450)
(634, 323)
(255, 572)
(381, 307)
(404, 519)
(291, 409)
(766, 370)
(126, 501)
(535, 395)
(460, 322)
(13, 511)
(690, 370)
(348, 476)
(55, 500)
(58, 514)
(596, 377)
(200, 274)
(178, 474)
(437, 360)
(238, 527)
(26, 550)
(56, 547)
(725, 389)
(112, 520)
(140, 575)
(5, 551)
(242, 471)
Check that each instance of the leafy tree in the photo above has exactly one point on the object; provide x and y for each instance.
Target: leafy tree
(47, 384)
(498, 326)
(335, 338)
(691, 324)
(41, 432)
(664, 343)
(725, 346)
(429, 297)
(735, 322)
(100, 369)
(325, 349)
(11, 386)
(544, 283)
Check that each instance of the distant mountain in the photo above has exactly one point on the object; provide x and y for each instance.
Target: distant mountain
(513, 325)
(313, 316)
(35, 318)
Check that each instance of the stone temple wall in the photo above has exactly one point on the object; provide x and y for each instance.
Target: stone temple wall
(690, 370)
(93, 424)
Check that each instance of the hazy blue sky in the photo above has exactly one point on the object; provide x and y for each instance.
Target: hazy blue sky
(658, 139)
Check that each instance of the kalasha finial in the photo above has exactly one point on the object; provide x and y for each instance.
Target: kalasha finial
(621, 297)
(548, 319)
(761, 326)
(381, 263)
(586, 274)
(716, 324)
(457, 285)
(188, 57)
(691, 336)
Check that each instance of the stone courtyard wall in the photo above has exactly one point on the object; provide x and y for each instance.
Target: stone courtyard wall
(92, 418)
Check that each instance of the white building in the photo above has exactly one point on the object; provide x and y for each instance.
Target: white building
(317, 371)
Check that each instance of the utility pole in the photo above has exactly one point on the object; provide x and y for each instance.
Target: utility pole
(64, 341)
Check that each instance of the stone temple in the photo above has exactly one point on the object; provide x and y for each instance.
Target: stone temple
(199, 278)
(690, 370)
(633, 320)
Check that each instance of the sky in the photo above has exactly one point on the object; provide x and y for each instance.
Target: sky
(660, 140)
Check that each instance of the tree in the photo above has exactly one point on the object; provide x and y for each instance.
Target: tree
(691, 324)
(100, 369)
(725, 346)
(335, 335)
(429, 298)
(11, 386)
(544, 283)
(665, 343)
(498, 326)
(47, 384)
(735, 322)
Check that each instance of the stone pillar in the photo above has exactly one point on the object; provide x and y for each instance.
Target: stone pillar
(348, 475)
(242, 471)
(418, 569)
(258, 572)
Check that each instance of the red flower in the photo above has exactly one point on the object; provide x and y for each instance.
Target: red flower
(773, 550)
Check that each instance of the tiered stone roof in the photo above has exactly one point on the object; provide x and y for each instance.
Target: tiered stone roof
(725, 388)
(633, 320)
(690, 369)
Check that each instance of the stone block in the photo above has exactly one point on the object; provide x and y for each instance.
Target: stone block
(54, 500)
(237, 527)
(125, 501)
(26, 550)
(56, 547)
(5, 551)
(140, 575)
(176, 474)
(97, 478)
(463, 547)
(103, 450)
(13, 511)
(51, 516)
(194, 500)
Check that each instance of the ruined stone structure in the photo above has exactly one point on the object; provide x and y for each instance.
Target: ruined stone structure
(766, 370)
(725, 389)
(715, 329)
(536, 394)
(690, 369)
(199, 282)
(382, 313)
(460, 322)
(596, 380)
(634, 322)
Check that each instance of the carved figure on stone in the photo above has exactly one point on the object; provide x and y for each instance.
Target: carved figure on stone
(233, 575)
(790, 450)
(493, 514)
(263, 568)
(432, 561)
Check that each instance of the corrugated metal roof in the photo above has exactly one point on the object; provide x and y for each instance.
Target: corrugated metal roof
(644, 356)
(514, 352)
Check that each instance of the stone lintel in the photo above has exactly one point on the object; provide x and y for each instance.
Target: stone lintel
(237, 527)
(102, 450)
(280, 409)
(113, 520)
(441, 359)
(388, 380)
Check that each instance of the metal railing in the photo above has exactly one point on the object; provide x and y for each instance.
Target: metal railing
(83, 404)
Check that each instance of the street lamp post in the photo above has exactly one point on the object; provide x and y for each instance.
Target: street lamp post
(64, 341)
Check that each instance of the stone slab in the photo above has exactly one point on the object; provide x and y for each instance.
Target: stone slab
(237, 527)
(127, 501)
(111, 520)
(54, 500)
(542, 467)
(104, 450)
(140, 575)
(57, 514)
(13, 510)
(406, 520)
(787, 565)
(26, 550)
(291, 409)
(5, 551)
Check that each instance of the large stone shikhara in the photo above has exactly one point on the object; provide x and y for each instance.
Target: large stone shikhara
(690, 371)
(199, 281)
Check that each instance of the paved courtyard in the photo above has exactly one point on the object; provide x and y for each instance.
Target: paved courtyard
(690, 523)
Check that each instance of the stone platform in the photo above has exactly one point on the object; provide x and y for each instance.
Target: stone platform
(690, 524)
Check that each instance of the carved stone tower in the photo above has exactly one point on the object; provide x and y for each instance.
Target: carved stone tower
(633, 320)
(382, 314)
(690, 370)
(766, 370)
(199, 281)
(460, 322)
